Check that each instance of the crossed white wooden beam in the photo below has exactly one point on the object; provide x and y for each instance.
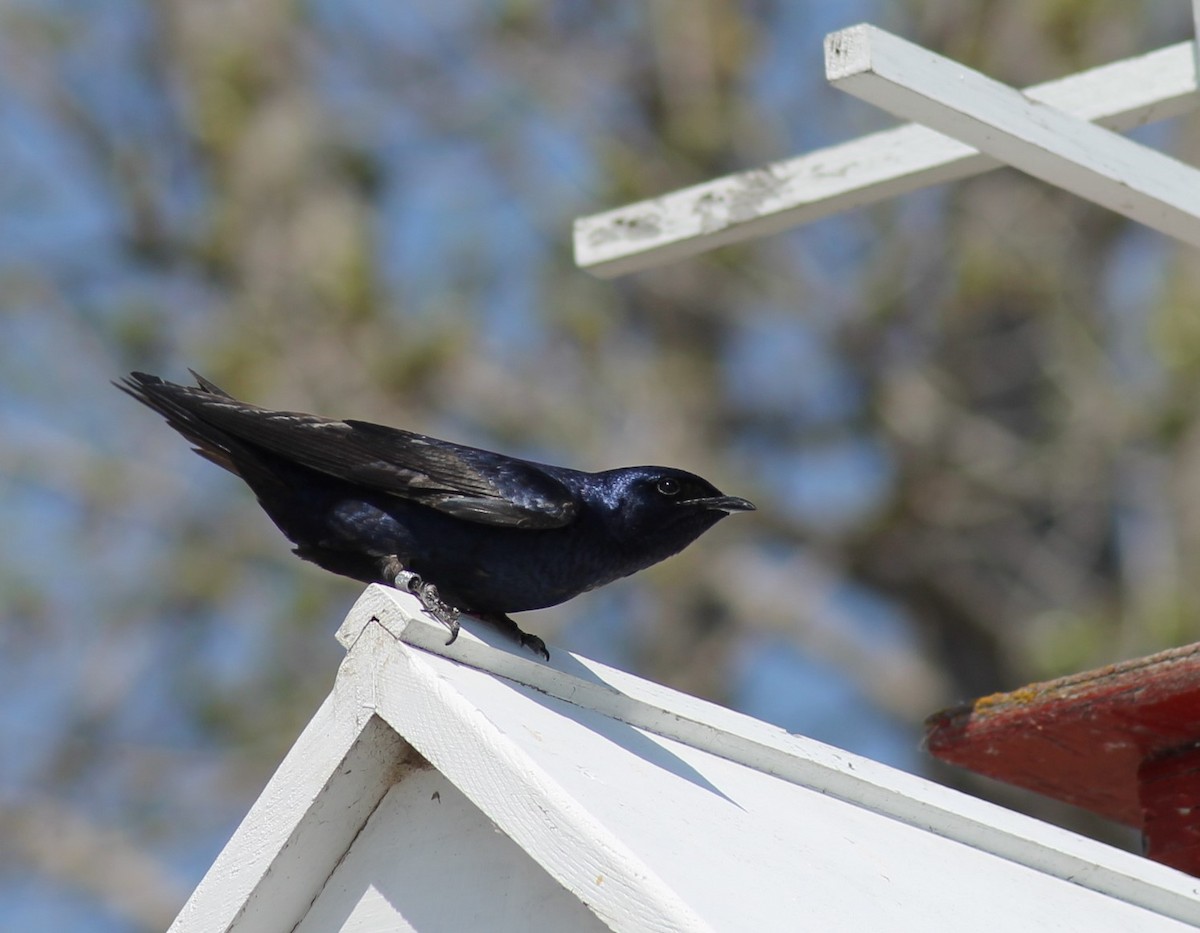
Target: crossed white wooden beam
(965, 123)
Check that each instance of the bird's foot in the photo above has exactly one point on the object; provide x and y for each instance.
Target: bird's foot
(509, 627)
(536, 645)
(427, 593)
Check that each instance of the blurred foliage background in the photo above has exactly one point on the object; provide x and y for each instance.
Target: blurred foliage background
(968, 416)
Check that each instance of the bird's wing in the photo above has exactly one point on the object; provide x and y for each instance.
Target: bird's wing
(466, 482)
(469, 483)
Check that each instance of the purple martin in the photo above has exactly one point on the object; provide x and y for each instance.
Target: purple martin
(464, 529)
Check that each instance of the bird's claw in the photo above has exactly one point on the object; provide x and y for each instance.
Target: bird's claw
(536, 645)
(433, 603)
(437, 607)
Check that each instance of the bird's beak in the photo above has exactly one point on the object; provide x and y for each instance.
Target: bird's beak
(723, 503)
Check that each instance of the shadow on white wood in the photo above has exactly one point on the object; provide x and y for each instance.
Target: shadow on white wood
(429, 859)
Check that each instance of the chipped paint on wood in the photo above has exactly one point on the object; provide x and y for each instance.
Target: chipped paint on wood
(1083, 738)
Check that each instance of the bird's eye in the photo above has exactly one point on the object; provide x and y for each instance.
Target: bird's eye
(668, 486)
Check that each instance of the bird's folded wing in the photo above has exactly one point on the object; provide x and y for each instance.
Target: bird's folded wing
(469, 483)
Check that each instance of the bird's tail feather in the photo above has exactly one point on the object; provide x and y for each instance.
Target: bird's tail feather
(178, 405)
(187, 409)
(210, 387)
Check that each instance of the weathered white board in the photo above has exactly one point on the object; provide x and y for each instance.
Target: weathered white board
(784, 194)
(1047, 142)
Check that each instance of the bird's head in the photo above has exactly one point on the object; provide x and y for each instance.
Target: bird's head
(663, 509)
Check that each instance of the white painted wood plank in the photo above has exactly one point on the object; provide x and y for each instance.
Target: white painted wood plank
(1044, 141)
(750, 852)
(283, 851)
(863, 783)
(428, 859)
(796, 191)
(417, 698)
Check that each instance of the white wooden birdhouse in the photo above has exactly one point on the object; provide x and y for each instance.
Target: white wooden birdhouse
(473, 787)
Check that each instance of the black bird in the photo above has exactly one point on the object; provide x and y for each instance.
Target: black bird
(462, 528)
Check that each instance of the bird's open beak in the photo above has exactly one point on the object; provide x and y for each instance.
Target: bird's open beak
(723, 503)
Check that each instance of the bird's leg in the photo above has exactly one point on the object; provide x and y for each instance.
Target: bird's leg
(427, 593)
(509, 627)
